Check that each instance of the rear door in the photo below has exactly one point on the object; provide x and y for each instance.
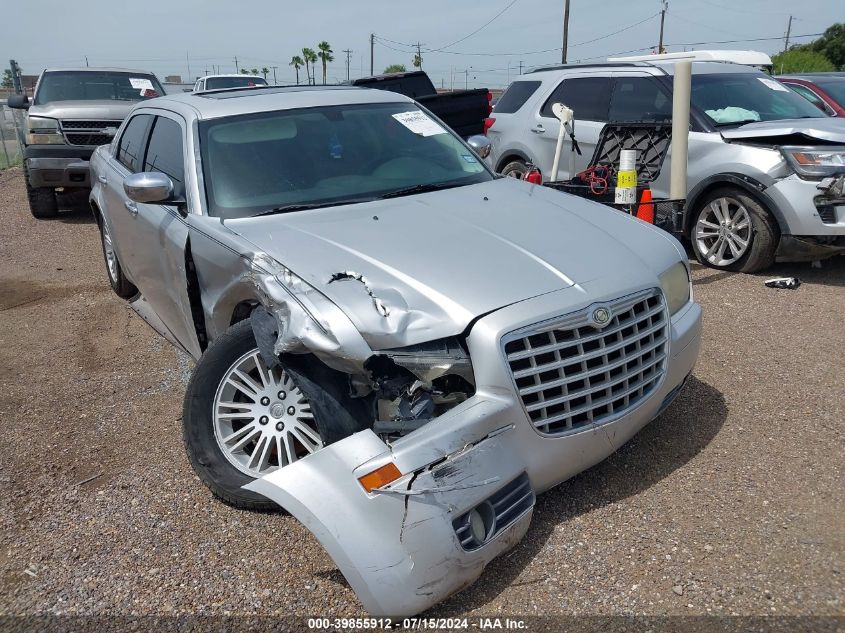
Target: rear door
(589, 97)
(154, 236)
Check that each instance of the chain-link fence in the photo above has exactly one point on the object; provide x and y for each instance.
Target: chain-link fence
(11, 136)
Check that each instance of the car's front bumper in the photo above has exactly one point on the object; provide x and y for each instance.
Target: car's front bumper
(58, 166)
(398, 547)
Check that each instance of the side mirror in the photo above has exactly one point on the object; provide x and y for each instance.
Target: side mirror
(149, 187)
(19, 102)
(481, 145)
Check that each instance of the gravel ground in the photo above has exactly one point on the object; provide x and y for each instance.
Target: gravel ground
(730, 503)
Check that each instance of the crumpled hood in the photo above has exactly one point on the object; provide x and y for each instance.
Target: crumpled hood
(434, 262)
(827, 129)
(84, 110)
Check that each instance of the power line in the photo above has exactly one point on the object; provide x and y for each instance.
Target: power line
(486, 24)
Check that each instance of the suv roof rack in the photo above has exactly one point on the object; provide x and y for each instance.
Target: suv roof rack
(608, 64)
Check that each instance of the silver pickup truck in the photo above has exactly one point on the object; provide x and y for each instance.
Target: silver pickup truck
(74, 110)
(394, 344)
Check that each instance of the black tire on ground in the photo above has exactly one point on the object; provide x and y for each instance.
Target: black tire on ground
(764, 235)
(515, 169)
(326, 390)
(42, 200)
(121, 286)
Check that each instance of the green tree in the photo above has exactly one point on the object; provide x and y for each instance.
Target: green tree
(798, 60)
(297, 63)
(418, 60)
(253, 71)
(832, 45)
(310, 58)
(7, 79)
(325, 55)
(395, 68)
(244, 71)
(265, 71)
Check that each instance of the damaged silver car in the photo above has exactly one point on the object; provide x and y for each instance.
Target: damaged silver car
(394, 344)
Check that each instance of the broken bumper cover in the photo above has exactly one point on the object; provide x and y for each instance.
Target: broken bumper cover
(407, 546)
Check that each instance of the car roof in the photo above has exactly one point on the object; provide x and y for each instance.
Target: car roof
(235, 101)
(93, 69)
(813, 78)
(667, 67)
(233, 75)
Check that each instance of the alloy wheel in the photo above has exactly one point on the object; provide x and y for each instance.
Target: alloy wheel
(111, 257)
(723, 231)
(262, 421)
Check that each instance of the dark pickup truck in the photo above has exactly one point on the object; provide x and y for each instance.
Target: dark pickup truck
(465, 111)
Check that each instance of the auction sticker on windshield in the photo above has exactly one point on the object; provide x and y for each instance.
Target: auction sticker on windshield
(774, 85)
(419, 123)
(141, 84)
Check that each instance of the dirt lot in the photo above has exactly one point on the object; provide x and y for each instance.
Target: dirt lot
(732, 502)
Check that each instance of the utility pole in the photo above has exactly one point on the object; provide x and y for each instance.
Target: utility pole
(236, 64)
(419, 55)
(188, 59)
(372, 46)
(664, 7)
(466, 78)
(565, 31)
(16, 76)
(348, 60)
(788, 33)
(520, 66)
(275, 83)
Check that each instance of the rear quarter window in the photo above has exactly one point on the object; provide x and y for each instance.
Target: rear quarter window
(515, 96)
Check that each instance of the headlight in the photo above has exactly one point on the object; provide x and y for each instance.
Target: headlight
(815, 162)
(43, 131)
(675, 282)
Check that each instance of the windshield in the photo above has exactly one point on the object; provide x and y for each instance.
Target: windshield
(218, 83)
(835, 88)
(328, 155)
(96, 85)
(735, 98)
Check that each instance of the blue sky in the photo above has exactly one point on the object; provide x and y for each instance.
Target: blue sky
(166, 36)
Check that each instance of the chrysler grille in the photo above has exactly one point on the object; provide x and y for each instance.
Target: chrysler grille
(571, 373)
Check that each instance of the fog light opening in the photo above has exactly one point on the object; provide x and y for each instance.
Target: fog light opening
(482, 522)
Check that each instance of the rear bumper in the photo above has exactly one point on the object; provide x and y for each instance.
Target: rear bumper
(401, 548)
(58, 166)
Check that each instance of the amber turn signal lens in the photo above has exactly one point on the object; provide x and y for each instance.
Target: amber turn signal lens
(380, 477)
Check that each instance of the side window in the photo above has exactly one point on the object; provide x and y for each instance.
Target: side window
(130, 150)
(516, 96)
(639, 99)
(588, 97)
(809, 95)
(164, 152)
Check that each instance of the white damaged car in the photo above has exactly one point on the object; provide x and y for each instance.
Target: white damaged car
(394, 344)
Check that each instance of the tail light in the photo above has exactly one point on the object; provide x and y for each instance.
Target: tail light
(533, 176)
(488, 123)
(489, 102)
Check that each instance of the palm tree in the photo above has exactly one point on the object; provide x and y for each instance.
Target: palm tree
(254, 71)
(310, 57)
(297, 63)
(325, 56)
(265, 71)
(418, 60)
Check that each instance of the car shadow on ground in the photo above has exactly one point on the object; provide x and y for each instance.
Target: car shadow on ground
(663, 446)
(73, 208)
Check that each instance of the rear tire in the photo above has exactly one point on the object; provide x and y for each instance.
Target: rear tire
(515, 169)
(732, 231)
(122, 287)
(42, 200)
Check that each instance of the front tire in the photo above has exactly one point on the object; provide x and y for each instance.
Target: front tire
(42, 200)
(732, 231)
(242, 420)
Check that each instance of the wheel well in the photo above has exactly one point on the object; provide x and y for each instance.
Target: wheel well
(242, 311)
(511, 157)
(752, 189)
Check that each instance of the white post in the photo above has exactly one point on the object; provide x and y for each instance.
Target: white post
(681, 89)
(564, 115)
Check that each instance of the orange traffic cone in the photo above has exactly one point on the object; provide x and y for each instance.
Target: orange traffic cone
(645, 211)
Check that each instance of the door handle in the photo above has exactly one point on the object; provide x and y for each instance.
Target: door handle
(103, 179)
(131, 207)
(538, 129)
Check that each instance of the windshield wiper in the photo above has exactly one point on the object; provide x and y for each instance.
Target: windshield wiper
(408, 191)
(288, 208)
(740, 122)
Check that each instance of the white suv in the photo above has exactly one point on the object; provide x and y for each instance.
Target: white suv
(763, 185)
